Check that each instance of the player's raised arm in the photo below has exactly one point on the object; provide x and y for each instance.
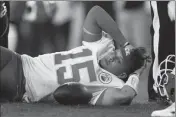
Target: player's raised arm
(98, 20)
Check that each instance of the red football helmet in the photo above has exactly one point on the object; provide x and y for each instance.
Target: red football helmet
(165, 82)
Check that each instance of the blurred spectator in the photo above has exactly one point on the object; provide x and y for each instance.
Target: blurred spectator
(36, 28)
(47, 26)
(4, 22)
(134, 22)
(16, 41)
(69, 18)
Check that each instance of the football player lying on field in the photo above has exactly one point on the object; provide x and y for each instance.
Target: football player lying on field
(106, 66)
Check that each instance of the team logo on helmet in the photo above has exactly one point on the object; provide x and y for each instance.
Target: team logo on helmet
(105, 78)
(3, 10)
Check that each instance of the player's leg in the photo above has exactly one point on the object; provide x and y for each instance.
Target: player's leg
(166, 27)
(11, 86)
(151, 93)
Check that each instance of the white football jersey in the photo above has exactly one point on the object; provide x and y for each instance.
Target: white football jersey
(47, 72)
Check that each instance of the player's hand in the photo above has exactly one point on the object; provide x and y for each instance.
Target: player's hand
(147, 59)
(140, 71)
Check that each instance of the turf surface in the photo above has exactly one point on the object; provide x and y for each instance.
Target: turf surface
(56, 110)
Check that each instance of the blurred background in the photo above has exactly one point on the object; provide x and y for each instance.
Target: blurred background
(39, 27)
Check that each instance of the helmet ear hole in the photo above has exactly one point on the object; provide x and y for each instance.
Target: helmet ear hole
(170, 87)
(172, 94)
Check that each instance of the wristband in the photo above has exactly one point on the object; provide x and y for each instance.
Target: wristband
(126, 44)
(133, 82)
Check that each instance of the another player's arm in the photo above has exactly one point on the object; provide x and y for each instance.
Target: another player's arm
(98, 20)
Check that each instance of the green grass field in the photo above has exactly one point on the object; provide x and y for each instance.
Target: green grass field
(55, 110)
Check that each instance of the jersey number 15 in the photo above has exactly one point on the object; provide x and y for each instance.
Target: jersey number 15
(75, 67)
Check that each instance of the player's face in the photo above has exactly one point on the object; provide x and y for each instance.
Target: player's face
(114, 62)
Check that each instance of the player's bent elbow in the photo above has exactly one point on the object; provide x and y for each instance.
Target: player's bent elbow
(114, 97)
(126, 100)
(123, 99)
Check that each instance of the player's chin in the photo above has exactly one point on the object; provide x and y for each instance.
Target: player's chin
(102, 63)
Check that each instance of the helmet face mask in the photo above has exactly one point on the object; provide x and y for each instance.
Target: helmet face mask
(165, 82)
